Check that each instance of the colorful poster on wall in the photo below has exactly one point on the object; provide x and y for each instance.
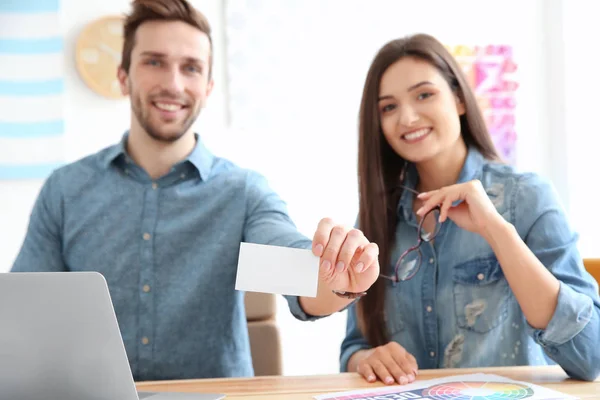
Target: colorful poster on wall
(31, 89)
(491, 73)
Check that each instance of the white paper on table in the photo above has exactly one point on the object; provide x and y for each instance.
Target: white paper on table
(479, 386)
(276, 269)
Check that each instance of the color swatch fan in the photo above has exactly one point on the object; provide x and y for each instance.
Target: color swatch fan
(479, 391)
(460, 387)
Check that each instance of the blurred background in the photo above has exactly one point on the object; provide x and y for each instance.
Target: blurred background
(288, 80)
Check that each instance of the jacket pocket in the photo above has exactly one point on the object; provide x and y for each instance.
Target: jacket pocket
(481, 294)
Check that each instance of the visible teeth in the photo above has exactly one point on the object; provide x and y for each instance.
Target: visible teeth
(416, 134)
(168, 107)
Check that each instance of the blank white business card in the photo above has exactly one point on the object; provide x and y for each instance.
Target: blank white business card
(275, 269)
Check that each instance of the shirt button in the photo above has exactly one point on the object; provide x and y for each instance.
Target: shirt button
(154, 186)
(480, 276)
(432, 354)
(145, 340)
(146, 236)
(429, 309)
(431, 260)
(146, 288)
(182, 176)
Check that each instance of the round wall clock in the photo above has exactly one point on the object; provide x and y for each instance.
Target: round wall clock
(98, 55)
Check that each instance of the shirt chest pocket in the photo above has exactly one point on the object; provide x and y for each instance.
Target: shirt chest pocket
(481, 295)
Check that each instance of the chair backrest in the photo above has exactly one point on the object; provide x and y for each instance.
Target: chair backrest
(265, 340)
(592, 265)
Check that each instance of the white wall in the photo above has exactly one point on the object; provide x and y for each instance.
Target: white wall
(582, 133)
(297, 171)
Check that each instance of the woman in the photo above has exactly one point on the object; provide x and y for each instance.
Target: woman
(479, 264)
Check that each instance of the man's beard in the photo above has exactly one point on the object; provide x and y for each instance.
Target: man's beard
(153, 130)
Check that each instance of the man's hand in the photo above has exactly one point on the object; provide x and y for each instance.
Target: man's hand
(349, 262)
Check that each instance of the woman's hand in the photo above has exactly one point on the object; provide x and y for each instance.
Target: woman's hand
(390, 363)
(473, 210)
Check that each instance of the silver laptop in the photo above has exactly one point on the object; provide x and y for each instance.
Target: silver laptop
(59, 340)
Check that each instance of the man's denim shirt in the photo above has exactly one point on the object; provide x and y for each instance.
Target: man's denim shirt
(168, 250)
(459, 311)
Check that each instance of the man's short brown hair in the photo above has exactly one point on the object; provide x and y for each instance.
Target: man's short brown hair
(161, 10)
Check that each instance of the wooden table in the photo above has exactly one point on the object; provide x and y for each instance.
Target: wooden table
(304, 387)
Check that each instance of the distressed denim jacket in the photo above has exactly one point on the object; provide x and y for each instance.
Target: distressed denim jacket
(459, 311)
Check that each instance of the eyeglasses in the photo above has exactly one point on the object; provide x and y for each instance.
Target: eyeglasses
(409, 262)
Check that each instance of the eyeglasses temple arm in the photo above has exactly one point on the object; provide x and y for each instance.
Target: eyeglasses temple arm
(409, 189)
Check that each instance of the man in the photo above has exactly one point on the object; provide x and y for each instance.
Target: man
(162, 218)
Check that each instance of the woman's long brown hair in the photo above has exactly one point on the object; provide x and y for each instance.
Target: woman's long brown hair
(379, 166)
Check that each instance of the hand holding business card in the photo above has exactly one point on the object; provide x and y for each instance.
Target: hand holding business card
(342, 260)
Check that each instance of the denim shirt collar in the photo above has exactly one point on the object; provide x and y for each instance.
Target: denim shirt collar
(201, 158)
(471, 170)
